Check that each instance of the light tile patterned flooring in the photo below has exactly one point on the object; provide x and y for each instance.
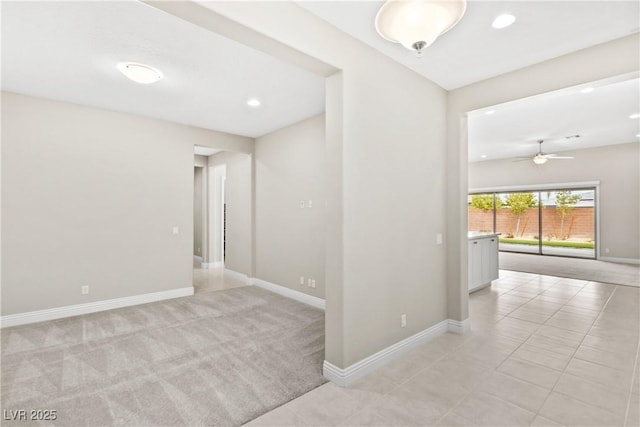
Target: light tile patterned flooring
(543, 351)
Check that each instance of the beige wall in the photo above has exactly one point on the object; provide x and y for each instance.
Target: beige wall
(389, 153)
(290, 168)
(615, 58)
(617, 167)
(90, 197)
(199, 211)
(238, 198)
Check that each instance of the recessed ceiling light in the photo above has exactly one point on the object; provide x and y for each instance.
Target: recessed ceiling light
(140, 73)
(638, 135)
(490, 112)
(503, 21)
(483, 156)
(253, 102)
(635, 116)
(587, 90)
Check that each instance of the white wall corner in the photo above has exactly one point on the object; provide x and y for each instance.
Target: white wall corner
(459, 326)
(91, 307)
(290, 293)
(241, 277)
(346, 377)
(620, 260)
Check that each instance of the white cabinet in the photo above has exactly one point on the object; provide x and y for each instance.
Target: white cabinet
(483, 261)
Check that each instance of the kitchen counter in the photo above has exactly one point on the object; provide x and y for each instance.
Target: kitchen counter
(481, 234)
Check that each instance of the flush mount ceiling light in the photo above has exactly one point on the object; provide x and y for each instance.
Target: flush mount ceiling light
(254, 102)
(490, 112)
(635, 116)
(416, 24)
(587, 90)
(503, 21)
(140, 73)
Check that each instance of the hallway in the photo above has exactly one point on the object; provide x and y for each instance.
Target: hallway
(212, 279)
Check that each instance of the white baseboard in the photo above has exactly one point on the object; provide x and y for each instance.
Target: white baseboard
(620, 260)
(90, 307)
(290, 293)
(459, 326)
(241, 277)
(348, 376)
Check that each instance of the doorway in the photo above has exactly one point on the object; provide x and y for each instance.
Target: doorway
(218, 217)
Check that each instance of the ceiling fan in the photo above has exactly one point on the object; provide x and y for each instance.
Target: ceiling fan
(541, 158)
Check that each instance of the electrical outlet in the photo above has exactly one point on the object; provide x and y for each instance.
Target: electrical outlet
(439, 239)
(309, 282)
(403, 320)
(84, 290)
(310, 203)
(302, 280)
(313, 283)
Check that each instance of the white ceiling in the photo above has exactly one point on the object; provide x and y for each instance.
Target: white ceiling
(69, 50)
(204, 151)
(474, 51)
(600, 117)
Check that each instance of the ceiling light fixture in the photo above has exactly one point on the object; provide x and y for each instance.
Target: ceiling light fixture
(490, 112)
(416, 24)
(587, 90)
(503, 21)
(635, 116)
(140, 73)
(483, 156)
(539, 159)
(254, 102)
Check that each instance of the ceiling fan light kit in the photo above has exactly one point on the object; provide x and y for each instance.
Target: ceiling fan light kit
(541, 158)
(416, 24)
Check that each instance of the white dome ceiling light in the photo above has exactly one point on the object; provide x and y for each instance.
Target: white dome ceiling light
(140, 73)
(416, 24)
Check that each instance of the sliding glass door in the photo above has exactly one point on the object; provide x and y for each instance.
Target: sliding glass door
(568, 223)
(560, 222)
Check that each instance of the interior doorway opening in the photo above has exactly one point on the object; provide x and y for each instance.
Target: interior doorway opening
(218, 217)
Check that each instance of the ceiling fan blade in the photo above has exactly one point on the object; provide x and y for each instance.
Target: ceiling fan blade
(520, 159)
(561, 157)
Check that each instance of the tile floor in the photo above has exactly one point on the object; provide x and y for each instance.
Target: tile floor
(543, 351)
(212, 279)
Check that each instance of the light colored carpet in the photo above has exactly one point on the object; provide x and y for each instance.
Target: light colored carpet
(217, 358)
(575, 268)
